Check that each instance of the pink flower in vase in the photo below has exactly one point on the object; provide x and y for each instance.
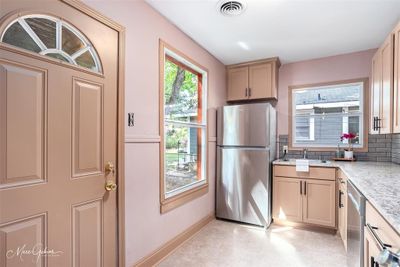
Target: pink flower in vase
(349, 137)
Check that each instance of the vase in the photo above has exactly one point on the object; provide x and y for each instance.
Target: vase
(348, 154)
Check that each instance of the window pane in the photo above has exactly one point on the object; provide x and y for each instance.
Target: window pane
(86, 60)
(180, 94)
(57, 56)
(45, 29)
(341, 99)
(70, 42)
(323, 114)
(326, 130)
(183, 156)
(17, 36)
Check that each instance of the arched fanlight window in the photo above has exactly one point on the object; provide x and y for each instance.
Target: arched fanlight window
(52, 37)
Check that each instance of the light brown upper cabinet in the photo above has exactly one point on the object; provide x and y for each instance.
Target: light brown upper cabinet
(385, 96)
(238, 83)
(253, 80)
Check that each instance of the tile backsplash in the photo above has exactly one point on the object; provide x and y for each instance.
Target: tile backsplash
(396, 148)
(381, 147)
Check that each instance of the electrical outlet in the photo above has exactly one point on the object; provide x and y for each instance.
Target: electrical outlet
(285, 149)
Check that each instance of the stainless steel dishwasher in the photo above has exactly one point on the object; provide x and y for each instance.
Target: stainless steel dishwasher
(355, 226)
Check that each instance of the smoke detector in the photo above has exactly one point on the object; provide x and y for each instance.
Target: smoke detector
(231, 8)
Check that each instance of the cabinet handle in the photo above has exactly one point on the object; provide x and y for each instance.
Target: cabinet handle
(378, 241)
(340, 199)
(305, 188)
(373, 262)
(245, 94)
(249, 92)
(301, 189)
(377, 123)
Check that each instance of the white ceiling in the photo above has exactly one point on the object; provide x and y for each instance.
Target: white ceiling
(294, 30)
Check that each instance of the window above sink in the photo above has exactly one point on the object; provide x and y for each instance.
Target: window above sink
(322, 113)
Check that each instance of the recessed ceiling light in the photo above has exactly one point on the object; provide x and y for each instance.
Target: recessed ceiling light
(231, 8)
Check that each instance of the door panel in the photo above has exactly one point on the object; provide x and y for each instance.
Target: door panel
(87, 128)
(22, 124)
(243, 184)
(28, 231)
(319, 203)
(260, 81)
(70, 120)
(287, 199)
(237, 83)
(87, 241)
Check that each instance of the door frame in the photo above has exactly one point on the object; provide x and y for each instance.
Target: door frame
(120, 165)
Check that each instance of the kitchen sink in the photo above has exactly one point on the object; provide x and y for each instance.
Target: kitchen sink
(311, 161)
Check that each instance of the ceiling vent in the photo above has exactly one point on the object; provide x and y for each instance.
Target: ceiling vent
(231, 8)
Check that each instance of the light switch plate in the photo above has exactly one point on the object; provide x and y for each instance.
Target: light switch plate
(131, 119)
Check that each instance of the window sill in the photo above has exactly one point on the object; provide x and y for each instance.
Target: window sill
(183, 198)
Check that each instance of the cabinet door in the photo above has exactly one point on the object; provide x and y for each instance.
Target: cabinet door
(396, 87)
(387, 86)
(319, 203)
(375, 93)
(287, 199)
(371, 249)
(238, 83)
(261, 81)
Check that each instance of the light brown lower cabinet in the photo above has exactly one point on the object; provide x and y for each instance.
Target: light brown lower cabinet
(287, 199)
(319, 203)
(384, 233)
(309, 201)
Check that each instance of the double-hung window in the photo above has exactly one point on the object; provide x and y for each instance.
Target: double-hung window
(184, 128)
(321, 114)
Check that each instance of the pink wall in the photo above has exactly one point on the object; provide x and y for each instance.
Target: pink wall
(335, 68)
(146, 228)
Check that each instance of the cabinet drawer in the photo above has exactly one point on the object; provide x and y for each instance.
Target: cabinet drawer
(385, 232)
(314, 172)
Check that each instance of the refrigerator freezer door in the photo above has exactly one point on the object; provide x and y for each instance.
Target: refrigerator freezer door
(245, 125)
(243, 185)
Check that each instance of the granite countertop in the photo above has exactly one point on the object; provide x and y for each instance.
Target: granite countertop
(378, 181)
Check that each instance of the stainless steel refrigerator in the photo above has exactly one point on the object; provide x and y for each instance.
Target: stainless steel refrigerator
(246, 147)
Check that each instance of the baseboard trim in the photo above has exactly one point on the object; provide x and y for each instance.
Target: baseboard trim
(169, 247)
(305, 226)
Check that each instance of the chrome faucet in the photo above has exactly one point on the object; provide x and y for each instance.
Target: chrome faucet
(305, 153)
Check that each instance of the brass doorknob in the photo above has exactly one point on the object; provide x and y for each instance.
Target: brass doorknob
(110, 186)
(110, 167)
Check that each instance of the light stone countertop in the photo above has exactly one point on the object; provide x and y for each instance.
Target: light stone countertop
(378, 181)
